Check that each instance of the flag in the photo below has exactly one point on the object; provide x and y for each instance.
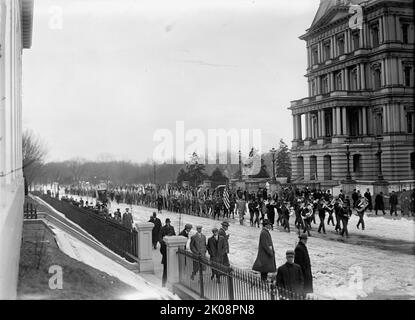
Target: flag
(226, 198)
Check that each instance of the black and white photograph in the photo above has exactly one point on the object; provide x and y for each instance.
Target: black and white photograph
(224, 151)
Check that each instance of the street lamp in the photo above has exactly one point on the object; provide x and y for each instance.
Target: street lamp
(379, 138)
(347, 142)
(273, 152)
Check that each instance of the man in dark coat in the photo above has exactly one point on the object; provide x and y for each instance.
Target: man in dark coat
(379, 203)
(290, 277)
(222, 232)
(286, 216)
(322, 215)
(303, 260)
(355, 197)
(127, 219)
(156, 229)
(265, 261)
(393, 202)
(166, 231)
(185, 232)
(368, 196)
(217, 250)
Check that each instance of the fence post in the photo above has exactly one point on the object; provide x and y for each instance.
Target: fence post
(173, 243)
(202, 289)
(230, 284)
(144, 247)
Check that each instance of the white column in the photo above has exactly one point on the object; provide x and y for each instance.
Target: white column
(346, 79)
(381, 30)
(307, 125)
(294, 127)
(145, 247)
(299, 130)
(364, 120)
(344, 118)
(338, 121)
(173, 244)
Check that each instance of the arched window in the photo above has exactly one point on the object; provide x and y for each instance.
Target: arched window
(357, 159)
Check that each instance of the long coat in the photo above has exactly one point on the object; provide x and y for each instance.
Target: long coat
(379, 203)
(222, 233)
(290, 277)
(265, 261)
(216, 249)
(198, 244)
(156, 229)
(303, 260)
(165, 231)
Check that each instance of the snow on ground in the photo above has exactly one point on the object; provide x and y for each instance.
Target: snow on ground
(78, 250)
(380, 259)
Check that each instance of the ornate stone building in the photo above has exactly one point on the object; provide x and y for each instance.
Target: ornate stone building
(16, 18)
(360, 83)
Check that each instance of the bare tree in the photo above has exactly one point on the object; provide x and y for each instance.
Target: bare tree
(34, 154)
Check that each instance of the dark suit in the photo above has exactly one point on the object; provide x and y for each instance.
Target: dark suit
(165, 231)
(290, 277)
(217, 251)
(222, 233)
(303, 260)
(265, 261)
(198, 247)
(156, 231)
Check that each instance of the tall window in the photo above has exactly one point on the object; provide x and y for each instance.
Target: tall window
(379, 123)
(377, 76)
(338, 84)
(407, 75)
(405, 36)
(357, 163)
(356, 40)
(409, 122)
(412, 161)
(314, 53)
(325, 84)
(340, 45)
(353, 80)
(327, 49)
(374, 29)
(313, 87)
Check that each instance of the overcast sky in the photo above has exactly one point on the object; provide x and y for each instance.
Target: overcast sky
(110, 73)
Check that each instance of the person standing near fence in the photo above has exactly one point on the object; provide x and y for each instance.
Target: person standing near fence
(166, 231)
(156, 229)
(198, 247)
(217, 250)
(303, 260)
(127, 219)
(290, 277)
(265, 260)
(222, 232)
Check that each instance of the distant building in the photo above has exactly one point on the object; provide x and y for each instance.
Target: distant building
(15, 35)
(361, 86)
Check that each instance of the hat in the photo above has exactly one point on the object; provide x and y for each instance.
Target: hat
(303, 236)
(188, 226)
(225, 223)
(215, 230)
(266, 222)
(168, 220)
(289, 253)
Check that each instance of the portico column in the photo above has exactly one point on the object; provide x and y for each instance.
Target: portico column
(344, 114)
(364, 120)
(333, 120)
(294, 127)
(323, 124)
(307, 125)
(299, 129)
(346, 80)
(385, 119)
(338, 121)
(319, 131)
(362, 77)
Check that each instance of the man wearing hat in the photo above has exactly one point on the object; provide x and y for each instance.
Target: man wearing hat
(265, 260)
(303, 260)
(290, 276)
(222, 232)
(198, 247)
(185, 232)
(166, 231)
(217, 250)
(127, 219)
(156, 229)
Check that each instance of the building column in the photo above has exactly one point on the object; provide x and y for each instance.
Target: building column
(362, 77)
(299, 129)
(307, 125)
(294, 127)
(385, 119)
(346, 79)
(360, 122)
(323, 124)
(364, 120)
(333, 120)
(338, 121)
(331, 77)
(344, 116)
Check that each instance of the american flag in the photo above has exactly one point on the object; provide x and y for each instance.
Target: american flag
(226, 198)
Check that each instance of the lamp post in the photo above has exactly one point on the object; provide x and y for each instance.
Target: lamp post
(379, 156)
(273, 152)
(348, 175)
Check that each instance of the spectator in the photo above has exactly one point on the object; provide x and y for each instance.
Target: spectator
(127, 219)
(156, 229)
(217, 250)
(198, 247)
(265, 261)
(290, 276)
(166, 231)
(303, 260)
(393, 202)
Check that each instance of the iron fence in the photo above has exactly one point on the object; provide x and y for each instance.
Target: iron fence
(213, 281)
(29, 211)
(112, 234)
